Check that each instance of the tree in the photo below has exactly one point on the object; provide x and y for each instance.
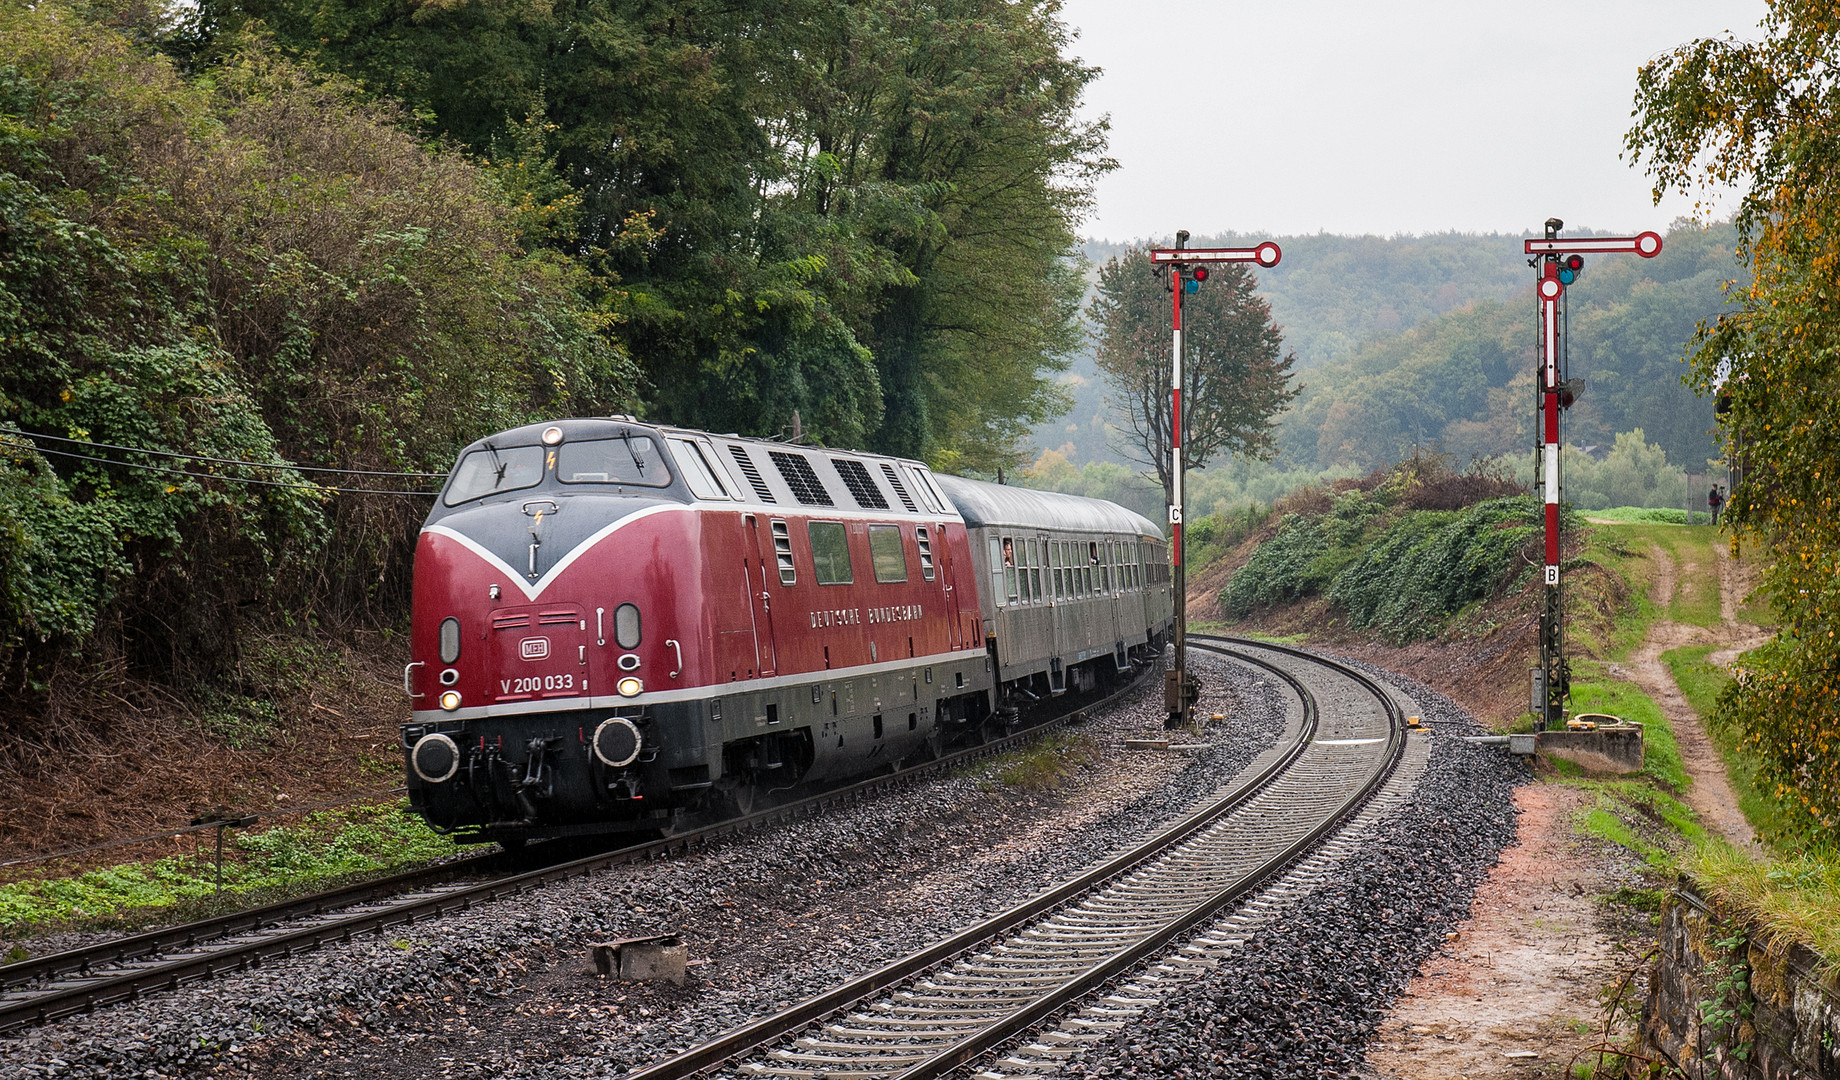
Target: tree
(863, 212)
(1237, 378)
(1724, 111)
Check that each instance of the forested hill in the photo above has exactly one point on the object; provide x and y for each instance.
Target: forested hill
(1330, 293)
(1412, 341)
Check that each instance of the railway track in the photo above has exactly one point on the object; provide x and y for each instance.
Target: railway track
(48, 988)
(960, 999)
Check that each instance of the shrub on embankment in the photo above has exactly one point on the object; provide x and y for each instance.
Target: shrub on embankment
(1399, 553)
(251, 266)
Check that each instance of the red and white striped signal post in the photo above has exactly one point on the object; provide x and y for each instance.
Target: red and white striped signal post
(1184, 269)
(1559, 263)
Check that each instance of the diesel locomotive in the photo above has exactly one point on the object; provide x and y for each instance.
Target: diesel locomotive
(616, 624)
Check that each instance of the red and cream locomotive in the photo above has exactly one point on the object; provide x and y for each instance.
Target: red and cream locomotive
(615, 623)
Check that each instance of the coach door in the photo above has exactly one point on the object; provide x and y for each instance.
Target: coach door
(757, 578)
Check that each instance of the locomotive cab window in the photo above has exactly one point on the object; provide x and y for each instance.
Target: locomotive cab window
(886, 554)
(698, 474)
(492, 470)
(630, 460)
(830, 552)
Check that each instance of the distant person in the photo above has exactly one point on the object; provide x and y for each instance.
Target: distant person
(1715, 499)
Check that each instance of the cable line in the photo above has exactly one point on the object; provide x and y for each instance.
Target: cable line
(226, 461)
(300, 485)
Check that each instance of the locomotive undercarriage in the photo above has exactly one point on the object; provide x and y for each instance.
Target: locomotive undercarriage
(637, 769)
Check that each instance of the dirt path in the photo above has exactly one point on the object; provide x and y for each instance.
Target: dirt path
(1710, 795)
(1514, 992)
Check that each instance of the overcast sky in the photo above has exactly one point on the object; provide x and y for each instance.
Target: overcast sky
(1365, 116)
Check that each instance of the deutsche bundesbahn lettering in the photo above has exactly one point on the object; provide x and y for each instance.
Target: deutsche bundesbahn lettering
(854, 616)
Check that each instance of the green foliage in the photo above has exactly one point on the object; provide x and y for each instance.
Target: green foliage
(860, 213)
(1652, 515)
(1235, 376)
(260, 267)
(1463, 380)
(1432, 563)
(1393, 566)
(1048, 764)
(1720, 112)
(322, 846)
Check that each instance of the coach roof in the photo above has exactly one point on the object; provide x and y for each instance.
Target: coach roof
(998, 506)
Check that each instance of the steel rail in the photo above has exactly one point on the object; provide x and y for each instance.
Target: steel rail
(731, 1046)
(21, 1008)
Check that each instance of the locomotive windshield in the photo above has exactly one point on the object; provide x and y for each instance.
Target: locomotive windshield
(630, 460)
(494, 469)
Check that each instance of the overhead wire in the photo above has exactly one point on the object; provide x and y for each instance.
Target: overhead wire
(6, 439)
(225, 461)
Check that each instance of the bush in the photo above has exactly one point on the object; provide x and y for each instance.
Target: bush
(1431, 563)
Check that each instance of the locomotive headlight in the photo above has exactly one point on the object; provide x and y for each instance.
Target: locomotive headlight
(450, 700)
(552, 436)
(629, 687)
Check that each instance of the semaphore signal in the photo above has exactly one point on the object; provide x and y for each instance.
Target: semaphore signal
(1185, 268)
(1559, 264)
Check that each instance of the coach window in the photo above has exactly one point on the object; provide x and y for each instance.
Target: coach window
(830, 552)
(1007, 567)
(886, 554)
(1105, 568)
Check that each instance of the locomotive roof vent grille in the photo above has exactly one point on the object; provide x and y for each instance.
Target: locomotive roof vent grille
(798, 474)
(753, 474)
(894, 481)
(856, 478)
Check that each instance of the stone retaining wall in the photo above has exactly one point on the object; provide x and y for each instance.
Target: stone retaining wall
(1792, 1029)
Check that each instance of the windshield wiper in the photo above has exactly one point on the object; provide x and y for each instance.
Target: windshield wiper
(637, 462)
(498, 467)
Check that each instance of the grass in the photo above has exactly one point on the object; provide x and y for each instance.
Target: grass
(1047, 764)
(1649, 515)
(1791, 900)
(1701, 681)
(1593, 691)
(321, 848)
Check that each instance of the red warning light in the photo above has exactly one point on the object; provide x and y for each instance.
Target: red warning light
(1201, 273)
(1574, 262)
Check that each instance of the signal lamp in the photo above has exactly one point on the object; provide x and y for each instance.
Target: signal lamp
(1570, 267)
(1201, 273)
(1191, 286)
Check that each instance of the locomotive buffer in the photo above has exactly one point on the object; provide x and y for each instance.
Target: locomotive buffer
(1183, 269)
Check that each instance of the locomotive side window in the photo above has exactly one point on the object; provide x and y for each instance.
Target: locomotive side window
(702, 481)
(626, 626)
(494, 469)
(924, 541)
(782, 554)
(886, 554)
(630, 460)
(928, 493)
(830, 552)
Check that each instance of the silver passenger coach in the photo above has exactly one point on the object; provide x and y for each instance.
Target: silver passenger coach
(1072, 584)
